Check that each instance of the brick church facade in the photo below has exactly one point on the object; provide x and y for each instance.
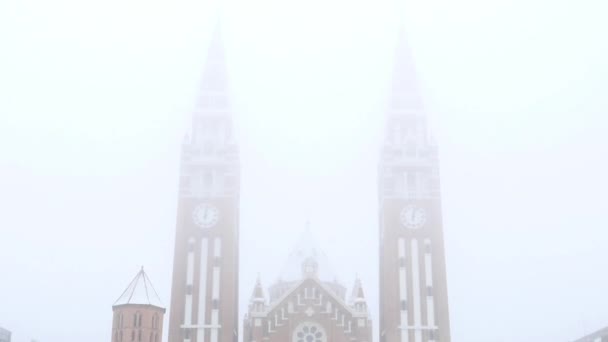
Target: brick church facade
(307, 304)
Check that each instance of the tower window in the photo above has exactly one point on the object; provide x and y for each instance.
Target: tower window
(216, 304)
(429, 291)
(401, 262)
(188, 289)
(403, 305)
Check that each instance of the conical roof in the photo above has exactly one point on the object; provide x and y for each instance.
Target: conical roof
(140, 291)
(357, 294)
(258, 292)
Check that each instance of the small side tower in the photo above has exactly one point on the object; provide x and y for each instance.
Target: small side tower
(357, 299)
(138, 312)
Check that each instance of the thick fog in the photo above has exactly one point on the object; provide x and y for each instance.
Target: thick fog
(96, 96)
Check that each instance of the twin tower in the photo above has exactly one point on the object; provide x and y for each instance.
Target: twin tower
(307, 304)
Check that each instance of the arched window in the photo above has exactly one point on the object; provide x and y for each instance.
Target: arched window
(120, 339)
(139, 335)
(132, 335)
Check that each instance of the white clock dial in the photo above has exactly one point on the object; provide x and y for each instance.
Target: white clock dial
(205, 215)
(412, 217)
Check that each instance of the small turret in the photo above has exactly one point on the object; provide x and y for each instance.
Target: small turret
(138, 312)
(357, 298)
(257, 303)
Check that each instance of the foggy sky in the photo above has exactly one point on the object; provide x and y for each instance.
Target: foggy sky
(95, 97)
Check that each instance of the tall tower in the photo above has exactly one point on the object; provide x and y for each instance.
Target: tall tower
(413, 286)
(138, 313)
(204, 298)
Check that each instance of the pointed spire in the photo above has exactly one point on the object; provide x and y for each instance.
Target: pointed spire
(357, 297)
(406, 95)
(213, 100)
(140, 291)
(258, 291)
(214, 74)
(257, 303)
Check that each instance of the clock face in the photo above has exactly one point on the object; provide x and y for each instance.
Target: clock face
(412, 217)
(205, 215)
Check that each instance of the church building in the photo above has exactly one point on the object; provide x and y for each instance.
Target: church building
(307, 303)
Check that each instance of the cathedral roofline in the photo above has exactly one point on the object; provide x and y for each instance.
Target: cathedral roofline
(323, 286)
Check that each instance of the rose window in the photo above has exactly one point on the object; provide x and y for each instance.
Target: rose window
(309, 332)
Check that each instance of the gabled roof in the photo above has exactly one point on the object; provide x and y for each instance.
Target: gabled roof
(140, 291)
(324, 287)
(596, 336)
